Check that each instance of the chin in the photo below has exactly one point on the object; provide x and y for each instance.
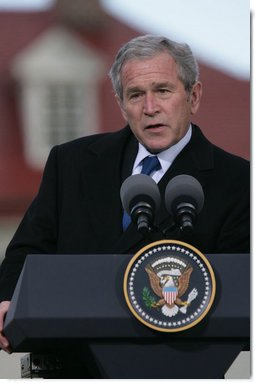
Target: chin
(156, 149)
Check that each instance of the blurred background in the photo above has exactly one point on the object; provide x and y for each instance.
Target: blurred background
(55, 56)
(54, 85)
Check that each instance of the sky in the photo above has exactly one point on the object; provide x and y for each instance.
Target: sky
(24, 4)
(218, 31)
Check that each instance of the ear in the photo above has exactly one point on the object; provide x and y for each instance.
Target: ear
(195, 97)
(120, 103)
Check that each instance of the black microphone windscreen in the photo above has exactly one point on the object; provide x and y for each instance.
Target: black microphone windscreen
(139, 185)
(184, 188)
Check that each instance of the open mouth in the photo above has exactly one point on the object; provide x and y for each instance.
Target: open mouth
(154, 126)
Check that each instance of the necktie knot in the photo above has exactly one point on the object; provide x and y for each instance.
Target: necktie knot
(150, 164)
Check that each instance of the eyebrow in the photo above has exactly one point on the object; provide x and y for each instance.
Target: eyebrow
(155, 85)
(165, 84)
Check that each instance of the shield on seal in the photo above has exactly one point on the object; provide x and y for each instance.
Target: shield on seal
(170, 294)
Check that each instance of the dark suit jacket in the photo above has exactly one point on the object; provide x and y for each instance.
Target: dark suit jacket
(78, 207)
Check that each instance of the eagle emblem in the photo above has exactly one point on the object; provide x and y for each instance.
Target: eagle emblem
(169, 286)
(169, 279)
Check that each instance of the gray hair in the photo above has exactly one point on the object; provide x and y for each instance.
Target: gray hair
(147, 46)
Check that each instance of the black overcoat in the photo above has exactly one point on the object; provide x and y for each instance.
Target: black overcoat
(78, 207)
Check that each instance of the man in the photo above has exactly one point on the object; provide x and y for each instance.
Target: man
(78, 207)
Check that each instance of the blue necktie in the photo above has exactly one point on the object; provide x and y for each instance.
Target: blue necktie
(150, 164)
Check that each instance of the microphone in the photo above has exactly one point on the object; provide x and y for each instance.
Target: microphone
(184, 199)
(141, 199)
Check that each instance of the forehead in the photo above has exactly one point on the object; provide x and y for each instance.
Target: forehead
(161, 67)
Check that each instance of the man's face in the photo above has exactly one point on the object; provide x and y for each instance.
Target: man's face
(155, 103)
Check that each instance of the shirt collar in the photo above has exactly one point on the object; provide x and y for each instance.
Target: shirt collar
(165, 157)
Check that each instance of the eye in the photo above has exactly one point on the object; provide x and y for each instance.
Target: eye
(163, 91)
(136, 95)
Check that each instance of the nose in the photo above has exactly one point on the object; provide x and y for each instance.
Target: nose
(150, 106)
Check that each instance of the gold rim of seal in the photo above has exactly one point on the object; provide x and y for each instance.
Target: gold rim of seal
(151, 245)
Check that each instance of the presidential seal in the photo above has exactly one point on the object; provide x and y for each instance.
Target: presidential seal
(169, 286)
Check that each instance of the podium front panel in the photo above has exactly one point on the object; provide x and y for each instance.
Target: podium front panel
(65, 299)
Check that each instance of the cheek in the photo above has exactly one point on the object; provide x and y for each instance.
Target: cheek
(132, 114)
(182, 112)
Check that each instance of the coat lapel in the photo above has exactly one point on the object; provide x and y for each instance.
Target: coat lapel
(102, 178)
(196, 160)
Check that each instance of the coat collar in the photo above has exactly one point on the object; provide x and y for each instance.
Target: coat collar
(199, 148)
